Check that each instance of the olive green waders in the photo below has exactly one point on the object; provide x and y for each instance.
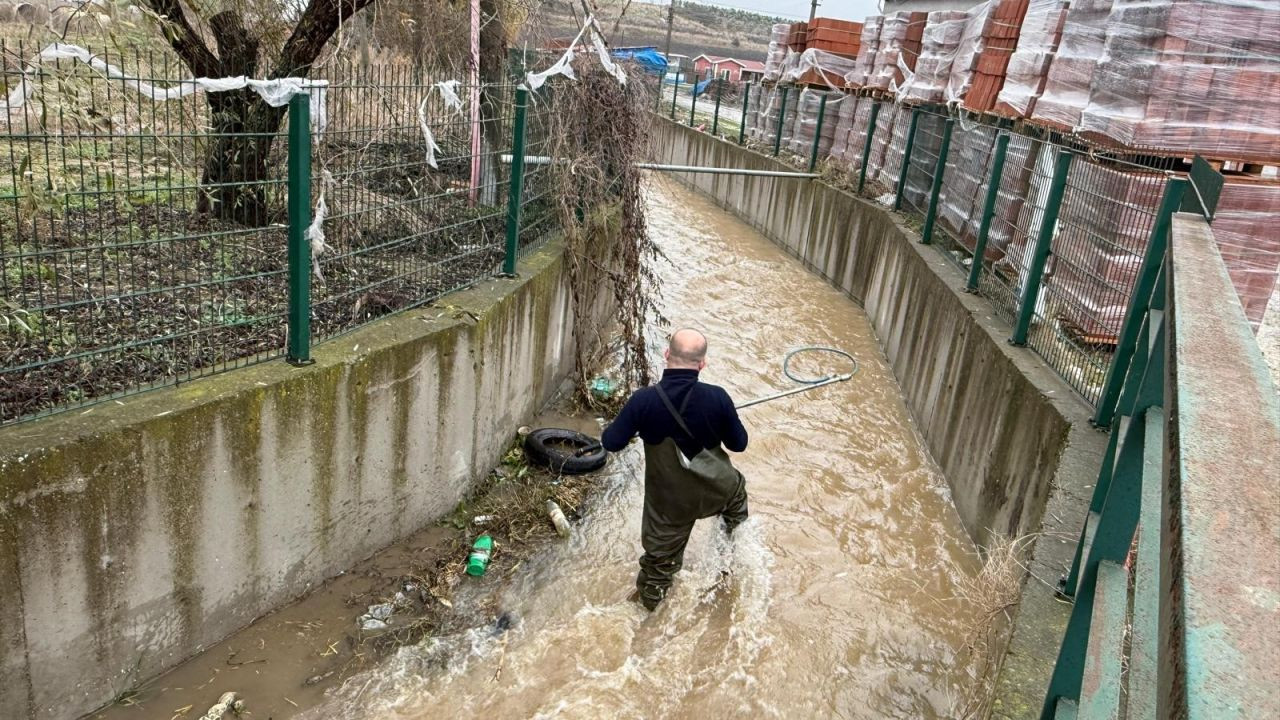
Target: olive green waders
(678, 493)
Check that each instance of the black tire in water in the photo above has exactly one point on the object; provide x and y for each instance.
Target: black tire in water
(557, 448)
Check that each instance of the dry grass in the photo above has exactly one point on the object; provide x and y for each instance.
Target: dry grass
(989, 597)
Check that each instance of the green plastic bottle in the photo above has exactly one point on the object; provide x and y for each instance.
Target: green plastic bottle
(481, 551)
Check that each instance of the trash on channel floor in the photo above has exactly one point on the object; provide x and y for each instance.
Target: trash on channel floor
(478, 560)
(226, 704)
(558, 519)
(603, 388)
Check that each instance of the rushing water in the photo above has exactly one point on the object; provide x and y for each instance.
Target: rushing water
(840, 600)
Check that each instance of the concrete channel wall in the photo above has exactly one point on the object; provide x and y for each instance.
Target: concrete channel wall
(1014, 442)
(132, 535)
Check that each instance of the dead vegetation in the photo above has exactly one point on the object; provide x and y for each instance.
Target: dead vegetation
(601, 212)
(511, 501)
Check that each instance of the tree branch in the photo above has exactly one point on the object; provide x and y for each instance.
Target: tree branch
(184, 39)
(318, 23)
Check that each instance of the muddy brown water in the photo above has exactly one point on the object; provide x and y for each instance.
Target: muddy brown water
(841, 594)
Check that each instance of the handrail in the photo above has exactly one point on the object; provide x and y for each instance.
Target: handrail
(1190, 474)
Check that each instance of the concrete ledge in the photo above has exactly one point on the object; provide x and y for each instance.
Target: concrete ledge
(134, 534)
(1011, 437)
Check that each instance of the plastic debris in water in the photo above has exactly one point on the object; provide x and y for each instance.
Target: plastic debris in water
(482, 519)
(602, 388)
(558, 519)
(478, 560)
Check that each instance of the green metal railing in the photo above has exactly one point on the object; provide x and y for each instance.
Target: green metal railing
(1049, 229)
(145, 243)
(1153, 630)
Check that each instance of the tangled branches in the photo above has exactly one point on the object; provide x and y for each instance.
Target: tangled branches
(598, 134)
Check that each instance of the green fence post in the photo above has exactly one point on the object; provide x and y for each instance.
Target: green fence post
(926, 234)
(715, 118)
(515, 189)
(906, 159)
(299, 349)
(742, 123)
(1031, 290)
(675, 91)
(694, 104)
(1174, 190)
(817, 134)
(866, 147)
(782, 114)
(657, 105)
(988, 210)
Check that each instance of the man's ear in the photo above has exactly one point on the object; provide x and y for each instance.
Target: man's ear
(702, 364)
(666, 354)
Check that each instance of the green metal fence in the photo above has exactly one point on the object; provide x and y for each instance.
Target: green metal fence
(1050, 229)
(1180, 533)
(148, 242)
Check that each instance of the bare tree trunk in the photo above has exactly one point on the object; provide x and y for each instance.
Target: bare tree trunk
(235, 174)
(493, 68)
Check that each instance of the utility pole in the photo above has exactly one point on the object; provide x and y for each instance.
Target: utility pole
(671, 16)
(813, 9)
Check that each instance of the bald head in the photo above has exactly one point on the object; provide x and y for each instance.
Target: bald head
(687, 350)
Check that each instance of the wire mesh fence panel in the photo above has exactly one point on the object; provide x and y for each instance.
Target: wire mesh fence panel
(541, 211)
(406, 223)
(1104, 226)
(963, 192)
(140, 239)
(1019, 210)
(923, 163)
(887, 147)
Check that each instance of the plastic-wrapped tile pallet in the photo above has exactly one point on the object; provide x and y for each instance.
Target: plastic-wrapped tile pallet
(900, 38)
(806, 121)
(778, 36)
(868, 49)
(1245, 228)
(941, 39)
(1066, 90)
(964, 186)
(1029, 64)
(840, 145)
(979, 78)
(1100, 244)
(1191, 77)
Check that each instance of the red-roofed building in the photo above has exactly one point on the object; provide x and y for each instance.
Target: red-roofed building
(732, 70)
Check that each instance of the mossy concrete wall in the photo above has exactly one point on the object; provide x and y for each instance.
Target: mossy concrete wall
(134, 534)
(1011, 438)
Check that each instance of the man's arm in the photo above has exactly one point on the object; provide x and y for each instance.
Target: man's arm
(622, 429)
(732, 433)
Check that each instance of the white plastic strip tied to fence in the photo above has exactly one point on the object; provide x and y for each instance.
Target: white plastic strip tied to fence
(276, 92)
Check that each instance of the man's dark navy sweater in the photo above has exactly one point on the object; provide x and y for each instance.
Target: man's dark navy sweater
(709, 414)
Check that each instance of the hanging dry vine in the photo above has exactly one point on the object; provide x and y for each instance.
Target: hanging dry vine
(599, 133)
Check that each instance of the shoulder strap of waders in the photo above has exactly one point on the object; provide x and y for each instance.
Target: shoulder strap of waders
(672, 408)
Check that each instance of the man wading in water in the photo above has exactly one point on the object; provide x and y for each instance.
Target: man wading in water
(687, 474)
